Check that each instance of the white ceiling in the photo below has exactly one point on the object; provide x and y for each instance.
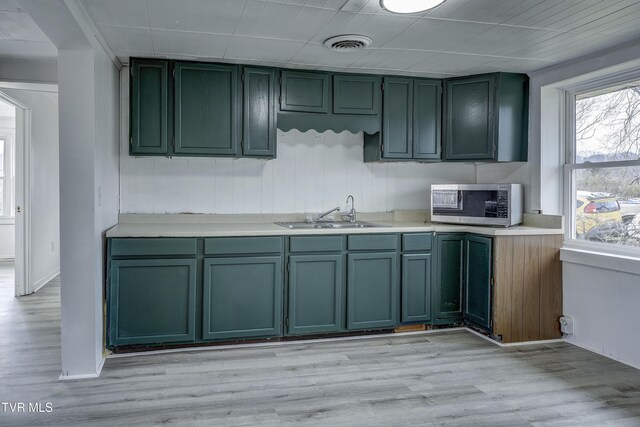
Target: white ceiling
(458, 38)
(20, 37)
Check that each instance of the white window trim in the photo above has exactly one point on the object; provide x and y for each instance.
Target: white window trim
(9, 193)
(575, 249)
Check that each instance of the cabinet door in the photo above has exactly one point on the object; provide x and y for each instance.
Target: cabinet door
(152, 301)
(372, 290)
(469, 120)
(259, 113)
(306, 92)
(477, 269)
(315, 293)
(416, 287)
(207, 121)
(356, 94)
(396, 118)
(449, 278)
(242, 297)
(148, 108)
(427, 101)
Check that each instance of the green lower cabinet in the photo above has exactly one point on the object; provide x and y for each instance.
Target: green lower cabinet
(447, 295)
(315, 294)
(372, 290)
(477, 268)
(242, 297)
(152, 301)
(416, 288)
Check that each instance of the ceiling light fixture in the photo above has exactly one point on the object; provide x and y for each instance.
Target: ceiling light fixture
(409, 6)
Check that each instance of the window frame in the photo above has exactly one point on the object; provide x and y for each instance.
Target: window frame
(8, 178)
(570, 166)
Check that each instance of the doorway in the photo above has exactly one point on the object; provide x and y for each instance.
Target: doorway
(29, 186)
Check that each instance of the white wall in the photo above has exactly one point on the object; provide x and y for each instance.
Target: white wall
(313, 172)
(45, 188)
(28, 71)
(604, 306)
(89, 159)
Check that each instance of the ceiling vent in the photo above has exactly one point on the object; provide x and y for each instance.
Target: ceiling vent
(347, 43)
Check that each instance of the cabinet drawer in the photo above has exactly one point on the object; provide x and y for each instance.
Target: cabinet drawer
(315, 244)
(417, 242)
(373, 242)
(133, 247)
(242, 245)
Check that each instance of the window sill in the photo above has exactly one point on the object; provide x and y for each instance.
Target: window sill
(590, 258)
(7, 221)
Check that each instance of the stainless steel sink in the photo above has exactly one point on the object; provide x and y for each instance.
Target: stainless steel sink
(326, 224)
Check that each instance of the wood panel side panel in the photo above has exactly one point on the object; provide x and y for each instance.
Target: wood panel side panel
(550, 288)
(502, 286)
(517, 291)
(531, 289)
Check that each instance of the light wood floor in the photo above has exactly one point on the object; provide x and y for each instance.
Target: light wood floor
(450, 378)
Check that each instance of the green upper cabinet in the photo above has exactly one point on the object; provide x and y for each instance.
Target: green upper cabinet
(304, 91)
(447, 289)
(411, 122)
(486, 117)
(149, 91)
(315, 293)
(242, 297)
(206, 109)
(478, 273)
(372, 290)
(396, 118)
(259, 112)
(353, 94)
(427, 107)
(151, 301)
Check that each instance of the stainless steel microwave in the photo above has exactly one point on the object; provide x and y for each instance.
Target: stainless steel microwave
(477, 204)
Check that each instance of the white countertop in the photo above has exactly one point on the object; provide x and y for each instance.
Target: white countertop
(177, 228)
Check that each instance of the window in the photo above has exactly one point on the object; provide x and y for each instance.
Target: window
(7, 176)
(602, 170)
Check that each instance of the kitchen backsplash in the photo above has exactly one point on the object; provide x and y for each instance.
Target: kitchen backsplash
(313, 172)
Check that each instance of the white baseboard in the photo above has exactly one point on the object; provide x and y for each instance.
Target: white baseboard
(46, 279)
(64, 377)
(514, 344)
(608, 356)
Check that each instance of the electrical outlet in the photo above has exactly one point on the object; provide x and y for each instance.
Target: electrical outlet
(566, 325)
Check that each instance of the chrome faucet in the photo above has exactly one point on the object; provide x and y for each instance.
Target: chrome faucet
(322, 215)
(352, 212)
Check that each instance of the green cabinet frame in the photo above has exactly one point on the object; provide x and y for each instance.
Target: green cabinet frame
(151, 301)
(242, 297)
(259, 130)
(486, 117)
(372, 290)
(315, 293)
(206, 109)
(449, 278)
(478, 274)
(149, 101)
(304, 91)
(354, 94)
